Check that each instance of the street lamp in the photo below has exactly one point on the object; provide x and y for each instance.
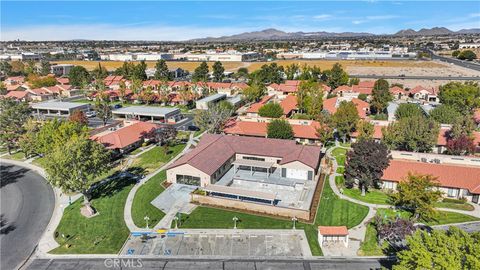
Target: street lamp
(146, 218)
(176, 221)
(294, 219)
(235, 219)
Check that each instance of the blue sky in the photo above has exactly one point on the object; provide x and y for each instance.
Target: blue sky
(156, 20)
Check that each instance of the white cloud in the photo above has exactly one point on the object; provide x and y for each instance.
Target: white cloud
(322, 17)
(359, 21)
(382, 17)
(474, 15)
(117, 32)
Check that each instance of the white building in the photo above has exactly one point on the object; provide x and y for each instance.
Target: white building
(61, 69)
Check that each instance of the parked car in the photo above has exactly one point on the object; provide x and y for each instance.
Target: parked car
(193, 128)
(117, 106)
(90, 114)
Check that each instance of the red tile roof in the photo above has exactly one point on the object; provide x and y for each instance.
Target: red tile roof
(256, 106)
(397, 90)
(259, 129)
(17, 94)
(377, 132)
(453, 176)
(332, 104)
(333, 230)
(214, 150)
(63, 80)
(288, 104)
(476, 116)
(125, 136)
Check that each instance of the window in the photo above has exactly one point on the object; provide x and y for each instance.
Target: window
(188, 180)
(253, 158)
(310, 175)
(284, 172)
(452, 192)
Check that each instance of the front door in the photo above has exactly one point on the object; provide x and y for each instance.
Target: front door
(475, 198)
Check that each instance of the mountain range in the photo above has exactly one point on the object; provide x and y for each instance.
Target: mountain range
(274, 34)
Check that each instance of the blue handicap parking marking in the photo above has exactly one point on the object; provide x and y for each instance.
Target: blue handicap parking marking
(130, 251)
(167, 252)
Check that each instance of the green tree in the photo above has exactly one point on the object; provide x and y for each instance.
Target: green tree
(463, 97)
(280, 129)
(102, 108)
(337, 76)
(55, 133)
(273, 110)
(380, 96)
(126, 70)
(36, 81)
(345, 119)
(408, 110)
(363, 96)
(6, 68)
(365, 130)
(100, 72)
(417, 134)
(72, 166)
(139, 71)
(325, 131)
(268, 74)
(254, 92)
(44, 67)
(241, 73)
(445, 114)
(291, 71)
(213, 120)
(79, 117)
(28, 140)
(161, 71)
(13, 117)
(443, 250)
(218, 70)
(455, 53)
(78, 75)
(200, 74)
(417, 194)
(365, 163)
(310, 98)
(3, 89)
(464, 125)
(468, 55)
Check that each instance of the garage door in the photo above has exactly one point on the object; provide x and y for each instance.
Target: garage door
(297, 174)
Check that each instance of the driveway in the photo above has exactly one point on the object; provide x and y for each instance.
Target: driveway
(27, 203)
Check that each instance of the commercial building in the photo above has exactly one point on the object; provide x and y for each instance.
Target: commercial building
(148, 113)
(202, 104)
(223, 56)
(269, 176)
(61, 69)
(58, 108)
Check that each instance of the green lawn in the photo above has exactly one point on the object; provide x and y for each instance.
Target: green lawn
(16, 156)
(334, 211)
(340, 169)
(104, 233)
(443, 217)
(198, 132)
(40, 161)
(136, 151)
(142, 207)
(458, 206)
(340, 155)
(370, 247)
(156, 157)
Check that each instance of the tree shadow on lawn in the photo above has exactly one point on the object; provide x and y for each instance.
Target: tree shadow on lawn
(117, 182)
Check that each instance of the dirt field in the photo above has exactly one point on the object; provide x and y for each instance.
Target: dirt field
(233, 66)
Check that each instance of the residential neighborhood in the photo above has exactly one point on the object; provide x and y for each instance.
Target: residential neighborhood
(257, 150)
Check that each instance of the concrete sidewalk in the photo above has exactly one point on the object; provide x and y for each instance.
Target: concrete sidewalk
(127, 212)
(47, 241)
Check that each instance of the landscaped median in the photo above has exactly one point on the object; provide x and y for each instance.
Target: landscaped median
(142, 206)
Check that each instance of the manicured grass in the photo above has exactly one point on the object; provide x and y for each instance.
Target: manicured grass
(212, 218)
(198, 132)
(334, 211)
(347, 144)
(371, 196)
(443, 217)
(136, 151)
(142, 206)
(458, 206)
(370, 247)
(104, 233)
(340, 169)
(340, 155)
(16, 156)
(40, 161)
(156, 157)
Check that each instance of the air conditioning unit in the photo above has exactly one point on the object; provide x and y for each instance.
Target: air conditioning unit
(437, 161)
(423, 159)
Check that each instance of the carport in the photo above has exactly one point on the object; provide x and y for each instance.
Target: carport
(333, 234)
(252, 165)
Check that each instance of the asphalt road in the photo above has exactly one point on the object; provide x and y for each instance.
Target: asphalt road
(26, 206)
(211, 264)
(416, 77)
(462, 63)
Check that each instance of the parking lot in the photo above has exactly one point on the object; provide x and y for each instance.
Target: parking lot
(241, 243)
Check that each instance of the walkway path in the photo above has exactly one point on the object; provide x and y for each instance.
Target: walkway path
(127, 212)
(359, 231)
